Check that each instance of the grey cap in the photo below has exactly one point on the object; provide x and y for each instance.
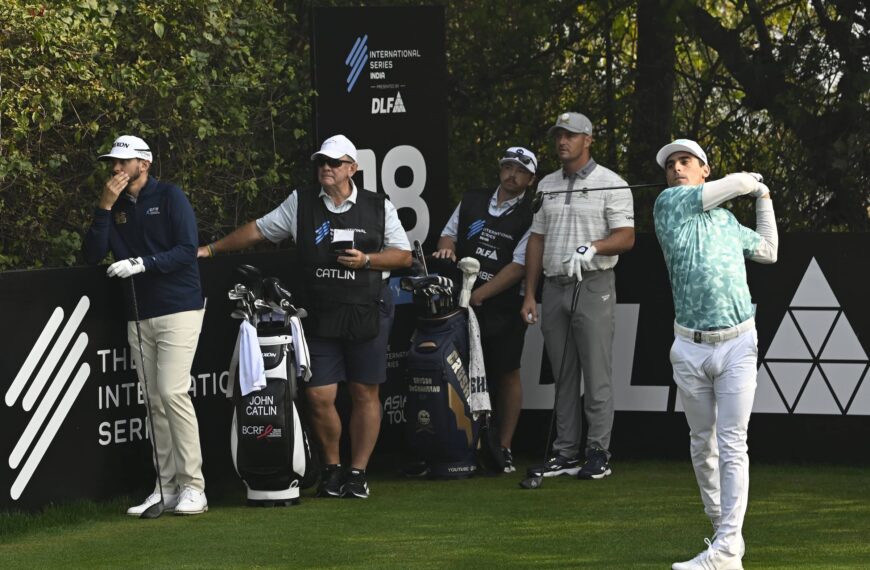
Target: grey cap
(572, 122)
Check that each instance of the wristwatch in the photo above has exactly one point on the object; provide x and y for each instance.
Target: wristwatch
(368, 263)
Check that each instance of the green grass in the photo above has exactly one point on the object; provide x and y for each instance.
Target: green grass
(646, 516)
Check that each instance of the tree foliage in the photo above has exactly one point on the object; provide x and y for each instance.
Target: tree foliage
(213, 85)
(221, 90)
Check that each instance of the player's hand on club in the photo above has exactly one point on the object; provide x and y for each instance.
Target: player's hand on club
(761, 191)
(445, 253)
(758, 177)
(126, 268)
(113, 188)
(575, 260)
(202, 251)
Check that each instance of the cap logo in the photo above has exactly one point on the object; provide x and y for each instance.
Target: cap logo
(125, 145)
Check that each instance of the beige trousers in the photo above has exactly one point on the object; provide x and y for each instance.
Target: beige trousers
(169, 344)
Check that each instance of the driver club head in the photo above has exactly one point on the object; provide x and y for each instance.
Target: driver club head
(154, 511)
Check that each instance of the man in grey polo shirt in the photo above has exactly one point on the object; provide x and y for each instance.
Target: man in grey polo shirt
(576, 239)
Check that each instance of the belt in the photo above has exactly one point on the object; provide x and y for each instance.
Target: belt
(566, 280)
(712, 337)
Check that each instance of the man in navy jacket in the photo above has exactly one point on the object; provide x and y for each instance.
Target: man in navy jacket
(149, 226)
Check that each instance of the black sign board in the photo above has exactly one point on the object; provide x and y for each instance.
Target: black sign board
(380, 76)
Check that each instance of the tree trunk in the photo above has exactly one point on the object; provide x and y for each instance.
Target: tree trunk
(652, 115)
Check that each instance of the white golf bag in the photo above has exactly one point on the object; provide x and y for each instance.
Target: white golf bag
(269, 445)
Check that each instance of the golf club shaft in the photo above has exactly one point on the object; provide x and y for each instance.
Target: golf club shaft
(598, 189)
(145, 384)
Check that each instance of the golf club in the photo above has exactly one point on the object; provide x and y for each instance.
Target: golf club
(535, 476)
(418, 253)
(156, 509)
(538, 198)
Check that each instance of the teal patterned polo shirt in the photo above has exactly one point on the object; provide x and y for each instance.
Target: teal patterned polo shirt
(704, 252)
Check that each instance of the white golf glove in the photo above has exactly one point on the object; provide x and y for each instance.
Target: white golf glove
(126, 267)
(575, 260)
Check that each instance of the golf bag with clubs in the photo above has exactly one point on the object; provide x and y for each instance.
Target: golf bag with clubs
(440, 424)
(269, 445)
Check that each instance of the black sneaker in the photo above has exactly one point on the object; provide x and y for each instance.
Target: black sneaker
(356, 486)
(560, 465)
(331, 479)
(596, 467)
(508, 460)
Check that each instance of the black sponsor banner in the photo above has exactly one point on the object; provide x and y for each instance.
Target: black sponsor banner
(74, 424)
(380, 76)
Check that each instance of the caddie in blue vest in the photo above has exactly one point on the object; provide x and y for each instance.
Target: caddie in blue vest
(493, 227)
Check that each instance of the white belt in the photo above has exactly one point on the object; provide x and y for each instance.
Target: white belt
(712, 337)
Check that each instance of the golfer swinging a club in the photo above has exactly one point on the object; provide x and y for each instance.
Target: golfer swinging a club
(149, 226)
(715, 352)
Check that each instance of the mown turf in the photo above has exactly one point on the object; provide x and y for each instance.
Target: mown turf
(646, 516)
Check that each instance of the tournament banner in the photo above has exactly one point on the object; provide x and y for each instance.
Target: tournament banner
(73, 413)
(380, 75)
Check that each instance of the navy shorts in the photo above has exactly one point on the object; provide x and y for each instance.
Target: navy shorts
(334, 361)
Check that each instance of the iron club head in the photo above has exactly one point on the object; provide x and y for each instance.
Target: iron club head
(534, 479)
(532, 482)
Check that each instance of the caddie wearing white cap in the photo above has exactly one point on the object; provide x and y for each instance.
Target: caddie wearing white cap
(576, 239)
(347, 242)
(150, 228)
(715, 350)
(493, 227)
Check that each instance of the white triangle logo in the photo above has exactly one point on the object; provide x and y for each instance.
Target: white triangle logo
(398, 106)
(815, 363)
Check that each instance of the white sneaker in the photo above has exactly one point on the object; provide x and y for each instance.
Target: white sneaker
(710, 559)
(191, 502)
(169, 502)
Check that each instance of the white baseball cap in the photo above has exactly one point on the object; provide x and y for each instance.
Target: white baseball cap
(128, 146)
(522, 156)
(336, 147)
(572, 122)
(686, 145)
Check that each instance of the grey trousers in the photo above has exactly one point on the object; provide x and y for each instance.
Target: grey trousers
(590, 350)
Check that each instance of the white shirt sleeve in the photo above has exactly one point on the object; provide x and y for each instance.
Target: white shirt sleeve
(520, 249)
(724, 189)
(394, 234)
(280, 223)
(451, 229)
(765, 226)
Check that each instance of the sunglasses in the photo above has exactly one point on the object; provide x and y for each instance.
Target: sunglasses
(332, 162)
(525, 160)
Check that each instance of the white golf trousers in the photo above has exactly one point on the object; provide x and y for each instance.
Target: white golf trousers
(717, 384)
(169, 344)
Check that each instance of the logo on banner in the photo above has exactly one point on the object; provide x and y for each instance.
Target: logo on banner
(815, 363)
(356, 60)
(50, 380)
(383, 105)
